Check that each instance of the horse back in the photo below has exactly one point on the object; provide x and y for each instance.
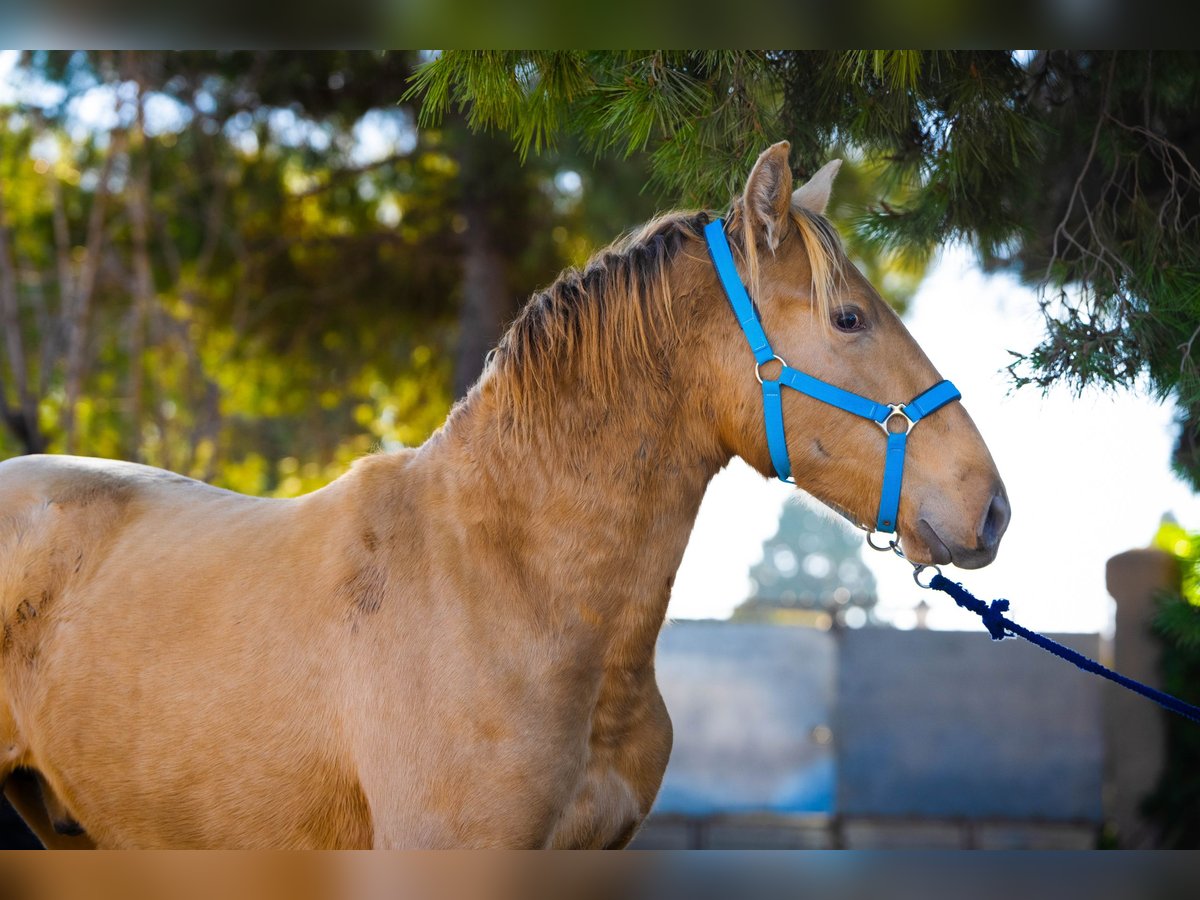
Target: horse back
(59, 515)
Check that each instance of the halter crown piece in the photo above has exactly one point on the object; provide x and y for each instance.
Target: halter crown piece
(881, 413)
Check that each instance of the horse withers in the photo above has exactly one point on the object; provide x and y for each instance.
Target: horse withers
(453, 645)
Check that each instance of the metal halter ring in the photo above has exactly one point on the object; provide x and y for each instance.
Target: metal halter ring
(897, 409)
(874, 546)
(917, 570)
(758, 366)
(892, 545)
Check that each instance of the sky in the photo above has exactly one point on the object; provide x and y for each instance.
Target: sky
(1088, 477)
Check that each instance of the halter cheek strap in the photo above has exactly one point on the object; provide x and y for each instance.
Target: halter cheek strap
(882, 414)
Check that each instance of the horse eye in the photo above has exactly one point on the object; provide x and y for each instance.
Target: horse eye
(848, 319)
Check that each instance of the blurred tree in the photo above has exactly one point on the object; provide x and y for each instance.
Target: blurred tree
(811, 564)
(226, 262)
(1078, 169)
(203, 274)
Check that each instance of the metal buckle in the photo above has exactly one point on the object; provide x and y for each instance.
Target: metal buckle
(758, 366)
(897, 409)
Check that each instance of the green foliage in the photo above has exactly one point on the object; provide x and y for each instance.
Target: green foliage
(898, 69)
(1076, 169)
(272, 319)
(1120, 247)
(1175, 803)
(705, 112)
(698, 118)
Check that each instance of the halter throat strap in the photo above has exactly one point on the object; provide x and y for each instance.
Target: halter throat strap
(906, 414)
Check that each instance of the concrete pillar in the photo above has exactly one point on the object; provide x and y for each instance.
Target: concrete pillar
(1136, 726)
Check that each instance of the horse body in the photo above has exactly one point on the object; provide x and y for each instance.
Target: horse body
(441, 690)
(453, 645)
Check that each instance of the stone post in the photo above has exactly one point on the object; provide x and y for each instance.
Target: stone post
(1135, 726)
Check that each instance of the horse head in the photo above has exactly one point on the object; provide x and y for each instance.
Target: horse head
(827, 321)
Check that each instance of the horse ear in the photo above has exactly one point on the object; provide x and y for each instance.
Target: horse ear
(814, 196)
(768, 191)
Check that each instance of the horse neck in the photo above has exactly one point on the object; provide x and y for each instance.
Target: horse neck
(586, 510)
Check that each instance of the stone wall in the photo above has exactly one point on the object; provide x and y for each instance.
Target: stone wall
(947, 725)
(794, 738)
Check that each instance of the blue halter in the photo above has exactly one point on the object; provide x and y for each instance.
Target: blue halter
(881, 413)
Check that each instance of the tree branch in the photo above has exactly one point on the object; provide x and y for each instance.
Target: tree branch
(337, 175)
(1077, 190)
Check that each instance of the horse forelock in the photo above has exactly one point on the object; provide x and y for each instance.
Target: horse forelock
(620, 309)
(821, 244)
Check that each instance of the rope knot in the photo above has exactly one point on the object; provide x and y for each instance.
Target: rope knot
(993, 619)
(992, 614)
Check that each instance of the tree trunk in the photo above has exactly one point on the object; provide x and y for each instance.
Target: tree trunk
(492, 202)
(78, 314)
(137, 204)
(485, 299)
(22, 420)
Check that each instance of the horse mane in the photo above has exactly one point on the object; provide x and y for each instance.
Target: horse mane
(619, 309)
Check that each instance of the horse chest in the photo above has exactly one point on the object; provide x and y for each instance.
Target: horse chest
(628, 748)
(564, 774)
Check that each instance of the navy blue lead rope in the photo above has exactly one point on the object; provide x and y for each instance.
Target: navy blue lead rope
(999, 626)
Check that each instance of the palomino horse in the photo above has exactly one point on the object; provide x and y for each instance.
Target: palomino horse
(452, 645)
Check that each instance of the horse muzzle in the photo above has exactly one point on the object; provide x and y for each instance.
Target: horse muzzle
(989, 531)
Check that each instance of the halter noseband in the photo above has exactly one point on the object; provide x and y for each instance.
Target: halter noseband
(880, 413)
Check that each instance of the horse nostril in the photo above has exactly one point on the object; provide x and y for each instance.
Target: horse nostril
(994, 522)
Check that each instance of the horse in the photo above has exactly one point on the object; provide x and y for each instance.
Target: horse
(453, 645)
